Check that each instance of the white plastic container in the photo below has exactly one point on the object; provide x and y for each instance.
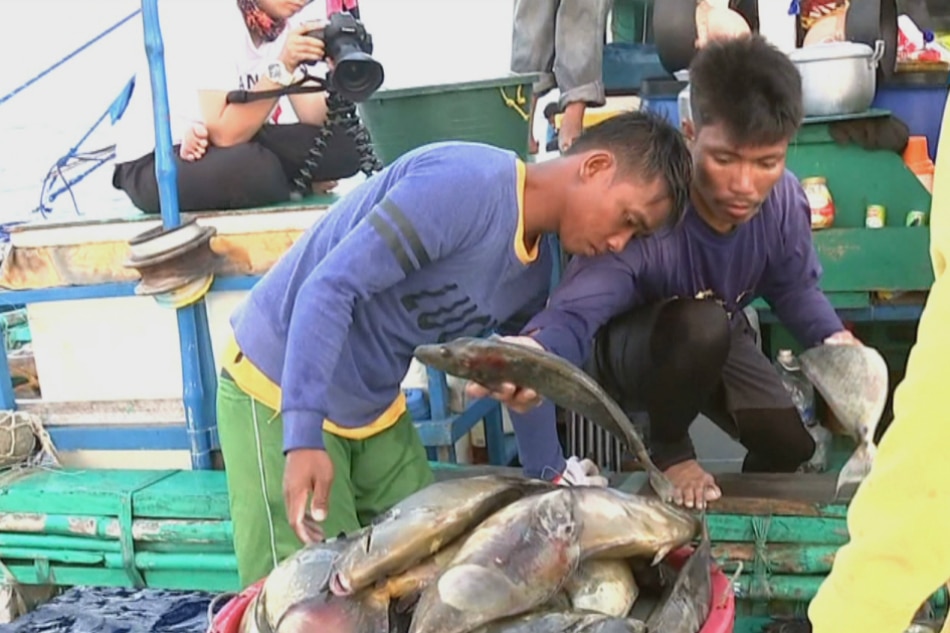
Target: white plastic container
(777, 25)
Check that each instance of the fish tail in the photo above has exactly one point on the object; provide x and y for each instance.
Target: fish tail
(855, 469)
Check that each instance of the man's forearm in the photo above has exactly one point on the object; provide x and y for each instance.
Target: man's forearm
(538, 445)
(809, 316)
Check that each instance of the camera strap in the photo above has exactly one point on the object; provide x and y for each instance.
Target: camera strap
(307, 84)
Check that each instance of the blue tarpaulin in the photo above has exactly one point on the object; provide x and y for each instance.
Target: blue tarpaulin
(118, 610)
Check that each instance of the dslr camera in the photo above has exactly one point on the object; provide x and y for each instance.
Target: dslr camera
(355, 75)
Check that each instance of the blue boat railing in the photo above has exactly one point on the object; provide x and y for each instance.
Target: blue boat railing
(199, 381)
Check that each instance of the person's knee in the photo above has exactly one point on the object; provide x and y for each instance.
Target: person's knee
(697, 325)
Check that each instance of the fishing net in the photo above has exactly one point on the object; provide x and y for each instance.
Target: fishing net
(25, 447)
(24, 443)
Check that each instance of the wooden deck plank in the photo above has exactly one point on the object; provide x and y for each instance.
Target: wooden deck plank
(784, 493)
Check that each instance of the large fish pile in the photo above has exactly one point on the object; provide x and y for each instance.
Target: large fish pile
(498, 554)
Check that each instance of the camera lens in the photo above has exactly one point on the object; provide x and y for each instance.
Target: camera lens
(357, 76)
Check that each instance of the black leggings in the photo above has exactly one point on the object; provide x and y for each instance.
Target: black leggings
(257, 173)
(682, 357)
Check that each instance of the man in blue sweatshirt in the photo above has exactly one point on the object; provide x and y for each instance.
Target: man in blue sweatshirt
(445, 242)
(661, 324)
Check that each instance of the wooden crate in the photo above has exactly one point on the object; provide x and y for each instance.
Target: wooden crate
(778, 535)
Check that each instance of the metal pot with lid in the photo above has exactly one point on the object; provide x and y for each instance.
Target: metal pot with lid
(838, 77)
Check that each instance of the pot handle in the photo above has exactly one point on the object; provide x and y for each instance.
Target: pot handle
(878, 53)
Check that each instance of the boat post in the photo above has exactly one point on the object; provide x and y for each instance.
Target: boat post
(197, 363)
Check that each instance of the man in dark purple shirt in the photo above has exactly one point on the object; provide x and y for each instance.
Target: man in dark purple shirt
(660, 324)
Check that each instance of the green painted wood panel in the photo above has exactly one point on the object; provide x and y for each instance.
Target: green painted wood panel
(892, 258)
(188, 494)
(88, 492)
(857, 177)
(856, 258)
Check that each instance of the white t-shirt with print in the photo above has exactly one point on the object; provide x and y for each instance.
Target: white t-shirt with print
(206, 47)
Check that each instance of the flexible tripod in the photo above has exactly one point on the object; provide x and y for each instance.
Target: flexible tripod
(341, 114)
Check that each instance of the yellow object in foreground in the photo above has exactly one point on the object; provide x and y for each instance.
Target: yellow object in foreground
(593, 116)
(899, 554)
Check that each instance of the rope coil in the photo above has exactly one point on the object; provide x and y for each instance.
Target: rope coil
(761, 565)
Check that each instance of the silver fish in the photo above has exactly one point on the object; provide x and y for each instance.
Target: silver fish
(688, 603)
(617, 524)
(513, 563)
(421, 524)
(491, 362)
(602, 586)
(565, 622)
(853, 380)
(292, 601)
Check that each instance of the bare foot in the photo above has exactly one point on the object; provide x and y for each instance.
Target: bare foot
(694, 486)
(195, 143)
(324, 187)
(572, 124)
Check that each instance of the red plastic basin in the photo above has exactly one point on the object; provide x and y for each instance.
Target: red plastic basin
(722, 613)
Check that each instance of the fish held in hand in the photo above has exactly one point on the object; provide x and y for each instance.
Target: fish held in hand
(514, 562)
(617, 524)
(853, 380)
(492, 362)
(421, 524)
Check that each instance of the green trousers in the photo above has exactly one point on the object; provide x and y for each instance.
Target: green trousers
(370, 476)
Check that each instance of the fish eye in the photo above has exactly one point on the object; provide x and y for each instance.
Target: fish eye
(444, 352)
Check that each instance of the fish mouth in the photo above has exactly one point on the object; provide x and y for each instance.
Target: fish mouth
(339, 586)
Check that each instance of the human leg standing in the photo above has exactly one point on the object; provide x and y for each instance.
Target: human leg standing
(580, 30)
(532, 50)
(387, 468)
(251, 436)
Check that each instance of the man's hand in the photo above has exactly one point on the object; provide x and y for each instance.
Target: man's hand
(844, 337)
(307, 471)
(301, 48)
(581, 472)
(512, 396)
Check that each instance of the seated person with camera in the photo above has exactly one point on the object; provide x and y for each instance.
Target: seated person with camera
(259, 149)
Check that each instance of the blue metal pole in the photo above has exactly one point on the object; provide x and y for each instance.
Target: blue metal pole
(7, 397)
(209, 375)
(165, 169)
(193, 395)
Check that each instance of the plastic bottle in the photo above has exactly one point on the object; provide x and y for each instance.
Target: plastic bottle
(917, 159)
(682, 104)
(802, 394)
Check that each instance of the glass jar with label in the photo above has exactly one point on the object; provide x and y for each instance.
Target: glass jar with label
(820, 200)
